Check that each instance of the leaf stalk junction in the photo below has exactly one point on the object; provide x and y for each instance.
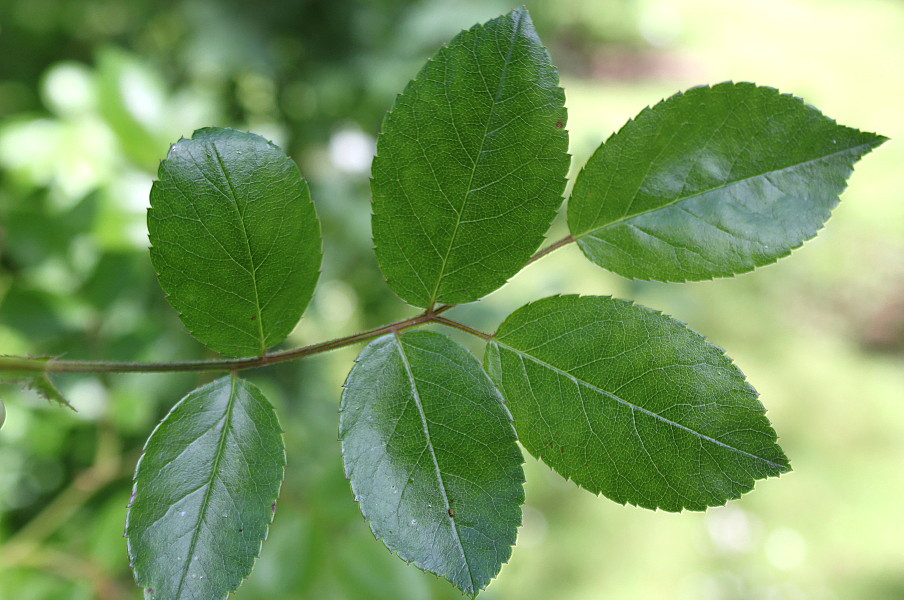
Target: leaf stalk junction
(431, 315)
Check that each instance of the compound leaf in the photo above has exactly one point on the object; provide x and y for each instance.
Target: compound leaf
(631, 403)
(235, 239)
(205, 493)
(712, 182)
(470, 165)
(432, 457)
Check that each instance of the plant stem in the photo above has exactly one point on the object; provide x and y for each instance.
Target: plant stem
(227, 364)
(19, 365)
(551, 248)
(466, 328)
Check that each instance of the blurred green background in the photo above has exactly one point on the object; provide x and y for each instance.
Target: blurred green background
(93, 91)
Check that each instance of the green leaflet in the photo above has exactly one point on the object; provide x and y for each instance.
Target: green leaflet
(432, 458)
(470, 165)
(712, 182)
(12, 371)
(44, 386)
(631, 403)
(205, 493)
(235, 239)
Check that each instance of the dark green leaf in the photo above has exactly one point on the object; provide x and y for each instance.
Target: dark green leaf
(631, 403)
(712, 182)
(470, 165)
(432, 458)
(235, 240)
(205, 492)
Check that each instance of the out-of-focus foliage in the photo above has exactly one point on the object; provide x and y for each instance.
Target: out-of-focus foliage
(92, 92)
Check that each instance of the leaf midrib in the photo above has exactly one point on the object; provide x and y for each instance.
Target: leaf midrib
(519, 17)
(596, 229)
(205, 503)
(635, 407)
(251, 270)
(439, 477)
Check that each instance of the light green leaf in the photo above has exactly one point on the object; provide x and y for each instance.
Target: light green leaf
(470, 165)
(28, 371)
(235, 239)
(432, 458)
(631, 403)
(712, 182)
(205, 493)
(45, 388)
(124, 87)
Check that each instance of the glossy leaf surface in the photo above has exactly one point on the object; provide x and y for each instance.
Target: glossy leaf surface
(205, 493)
(432, 458)
(470, 165)
(712, 182)
(235, 239)
(631, 403)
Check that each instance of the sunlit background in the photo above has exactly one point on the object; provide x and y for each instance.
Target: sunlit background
(93, 91)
